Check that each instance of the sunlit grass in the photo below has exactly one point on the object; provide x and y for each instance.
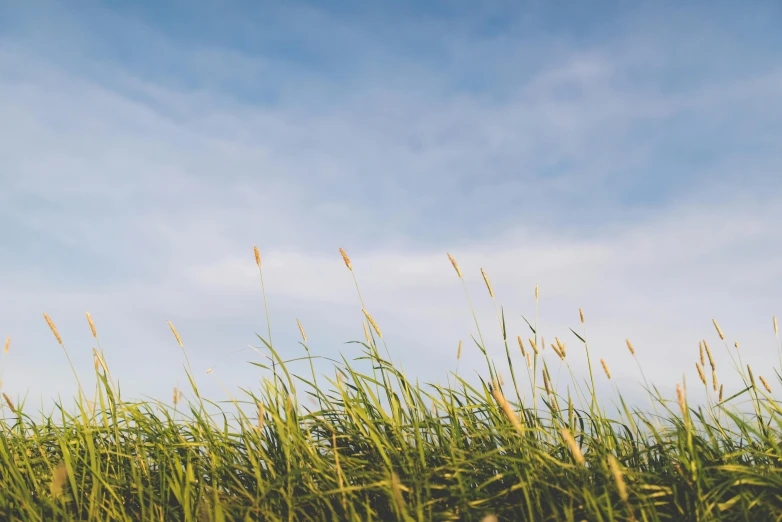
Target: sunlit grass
(367, 443)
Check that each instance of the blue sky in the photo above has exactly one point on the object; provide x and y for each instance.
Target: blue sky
(623, 155)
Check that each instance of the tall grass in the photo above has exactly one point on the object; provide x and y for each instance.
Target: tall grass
(378, 446)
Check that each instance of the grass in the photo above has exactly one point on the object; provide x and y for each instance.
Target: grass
(379, 447)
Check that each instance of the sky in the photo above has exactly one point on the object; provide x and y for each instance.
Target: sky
(624, 156)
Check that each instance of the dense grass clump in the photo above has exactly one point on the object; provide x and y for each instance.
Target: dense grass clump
(368, 444)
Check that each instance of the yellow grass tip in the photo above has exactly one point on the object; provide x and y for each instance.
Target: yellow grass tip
(765, 384)
(455, 265)
(630, 346)
(605, 368)
(616, 472)
(92, 325)
(459, 351)
(581, 315)
(301, 329)
(573, 446)
(176, 334)
(346, 259)
(681, 399)
(488, 284)
(372, 322)
(700, 373)
(257, 256)
(9, 402)
(53, 328)
(719, 331)
(7, 344)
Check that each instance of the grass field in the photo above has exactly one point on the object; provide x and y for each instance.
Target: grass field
(366, 443)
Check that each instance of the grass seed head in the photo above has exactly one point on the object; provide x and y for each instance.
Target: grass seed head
(581, 315)
(506, 408)
(301, 329)
(681, 399)
(605, 367)
(455, 266)
(708, 354)
(7, 344)
(534, 346)
(529, 360)
(719, 331)
(372, 322)
(257, 256)
(346, 259)
(558, 352)
(722, 388)
(176, 334)
(521, 346)
(92, 325)
(630, 346)
(488, 283)
(700, 373)
(459, 351)
(776, 329)
(700, 350)
(751, 377)
(9, 402)
(714, 379)
(573, 446)
(53, 328)
(616, 472)
(765, 384)
(537, 294)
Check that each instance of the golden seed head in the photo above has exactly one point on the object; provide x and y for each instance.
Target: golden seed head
(537, 294)
(534, 346)
(301, 329)
(521, 346)
(621, 487)
(53, 328)
(346, 259)
(459, 351)
(366, 333)
(765, 384)
(176, 334)
(7, 344)
(776, 329)
(736, 344)
(488, 284)
(257, 256)
(722, 387)
(209, 370)
(581, 315)
(529, 360)
(92, 326)
(714, 379)
(573, 446)
(558, 352)
(95, 362)
(751, 377)
(506, 408)
(372, 322)
(700, 349)
(722, 337)
(682, 400)
(630, 346)
(708, 354)
(455, 266)
(605, 367)
(9, 402)
(700, 373)
(545, 382)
